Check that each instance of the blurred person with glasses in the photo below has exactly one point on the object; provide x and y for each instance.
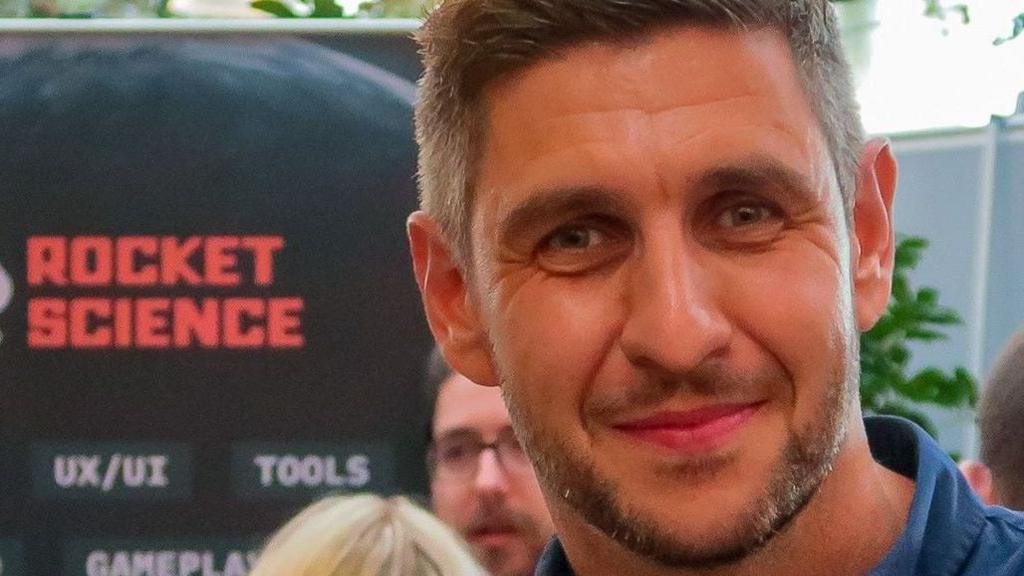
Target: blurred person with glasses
(481, 482)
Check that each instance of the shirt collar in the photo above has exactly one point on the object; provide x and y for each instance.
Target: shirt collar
(945, 518)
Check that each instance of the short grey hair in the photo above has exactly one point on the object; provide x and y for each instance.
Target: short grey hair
(469, 44)
(1000, 420)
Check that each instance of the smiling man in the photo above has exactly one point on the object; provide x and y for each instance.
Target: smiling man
(655, 225)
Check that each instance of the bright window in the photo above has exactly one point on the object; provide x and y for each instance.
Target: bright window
(926, 73)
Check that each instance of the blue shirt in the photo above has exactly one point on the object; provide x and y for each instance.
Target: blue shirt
(949, 532)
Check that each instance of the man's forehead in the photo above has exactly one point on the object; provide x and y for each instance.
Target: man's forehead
(683, 77)
(607, 74)
(462, 404)
(683, 84)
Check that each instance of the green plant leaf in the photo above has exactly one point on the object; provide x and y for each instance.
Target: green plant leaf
(163, 9)
(936, 9)
(942, 316)
(899, 354)
(922, 387)
(900, 288)
(956, 391)
(883, 328)
(1018, 29)
(925, 335)
(927, 297)
(871, 387)
(908, 252)
(326, 9)
(274, 7)
(913, 315)
(964, 12)
(967, 382)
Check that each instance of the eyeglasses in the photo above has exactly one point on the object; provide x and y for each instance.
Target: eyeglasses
(456, 456)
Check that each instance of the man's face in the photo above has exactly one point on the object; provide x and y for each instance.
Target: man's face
(662, 268)
(498, 507)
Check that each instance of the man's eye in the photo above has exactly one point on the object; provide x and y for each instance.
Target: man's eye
(456, 452)
(743, 215)
(582, 245)
(574, 238)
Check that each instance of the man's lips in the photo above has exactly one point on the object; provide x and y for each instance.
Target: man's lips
(492, 535)
(690, 431)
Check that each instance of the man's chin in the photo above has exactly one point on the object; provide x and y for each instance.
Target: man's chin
(502, 555)
(721, 530)
(715, 541)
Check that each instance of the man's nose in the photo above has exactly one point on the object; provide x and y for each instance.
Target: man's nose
(491, 477)
(674, 318)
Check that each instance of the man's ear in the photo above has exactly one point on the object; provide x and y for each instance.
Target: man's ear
(451, 309)
(979, 477)
(873, 237)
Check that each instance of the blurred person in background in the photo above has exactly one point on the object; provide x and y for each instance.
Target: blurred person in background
(481, 482)
(999, 477)
(365, 535)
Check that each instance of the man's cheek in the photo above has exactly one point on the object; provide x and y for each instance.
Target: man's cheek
(559, 330)
(796, 319)
(449, 506)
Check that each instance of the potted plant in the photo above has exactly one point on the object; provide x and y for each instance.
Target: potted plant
(887, 385)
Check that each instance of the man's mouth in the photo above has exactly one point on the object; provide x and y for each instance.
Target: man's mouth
(690, 432)
(492, 535)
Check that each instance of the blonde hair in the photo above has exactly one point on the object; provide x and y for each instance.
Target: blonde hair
(365, 535)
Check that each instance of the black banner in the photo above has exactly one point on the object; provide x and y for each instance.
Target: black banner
(209, 317)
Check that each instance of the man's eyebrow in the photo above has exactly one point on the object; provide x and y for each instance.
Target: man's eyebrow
(758, 173)
(557, 202)
(467, 431)
(460, 432)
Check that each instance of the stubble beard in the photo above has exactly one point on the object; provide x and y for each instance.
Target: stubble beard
(804, 463)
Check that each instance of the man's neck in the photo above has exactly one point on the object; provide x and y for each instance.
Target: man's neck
(856, 516)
